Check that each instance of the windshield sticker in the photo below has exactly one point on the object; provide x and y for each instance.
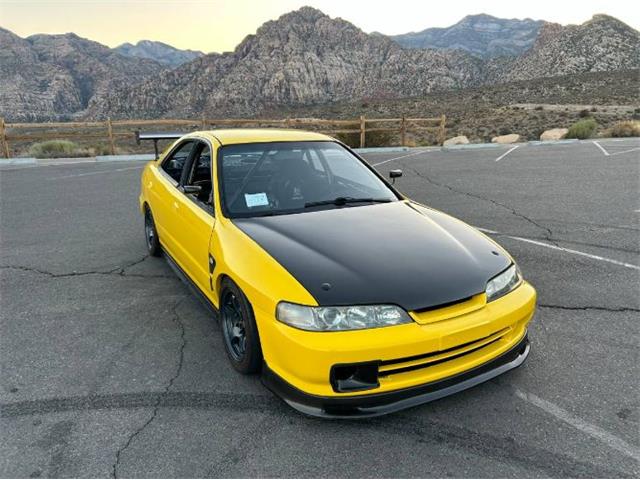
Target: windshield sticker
(256, 199)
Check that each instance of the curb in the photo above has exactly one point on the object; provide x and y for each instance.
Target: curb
(555, 142)
(18, 161)
(142, 157)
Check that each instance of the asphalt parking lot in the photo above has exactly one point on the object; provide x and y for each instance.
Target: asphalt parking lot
(110, 367)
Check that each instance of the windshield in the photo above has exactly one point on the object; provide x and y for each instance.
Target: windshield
(287, 177)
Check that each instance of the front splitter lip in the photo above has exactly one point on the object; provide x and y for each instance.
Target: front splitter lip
(373, 405)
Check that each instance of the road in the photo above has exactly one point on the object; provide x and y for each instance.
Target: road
(110, 367)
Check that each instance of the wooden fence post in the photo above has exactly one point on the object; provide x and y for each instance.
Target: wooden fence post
(442, 136)
(203, 122)
(362, 130)
(3, 139)
(112, 145)
(403, 131)
(287, 122)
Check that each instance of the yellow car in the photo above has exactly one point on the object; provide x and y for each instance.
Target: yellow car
(351, 299)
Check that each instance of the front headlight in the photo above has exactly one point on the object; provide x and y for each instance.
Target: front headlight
(326, 319)
(503, 283)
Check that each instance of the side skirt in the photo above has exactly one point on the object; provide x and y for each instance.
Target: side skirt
(191, 285)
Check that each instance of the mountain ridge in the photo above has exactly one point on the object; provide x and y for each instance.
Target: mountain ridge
(53, 76)
(481, 35)
(158, 51)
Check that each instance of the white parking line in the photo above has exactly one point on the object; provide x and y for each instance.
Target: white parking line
(579, 424)
(606, 154)
(566, 250)
(506, 153)
(398, 158)
(625, 151)
(96, 173)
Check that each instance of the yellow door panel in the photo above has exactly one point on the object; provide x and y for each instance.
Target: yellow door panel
(193, 229)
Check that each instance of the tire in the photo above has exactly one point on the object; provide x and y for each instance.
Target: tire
(151, 234)
(239, 330)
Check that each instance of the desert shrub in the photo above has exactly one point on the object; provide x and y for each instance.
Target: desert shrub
(100, 149)
(582, 129)
(636, 114)
(625, 129)
(504, 131)
(539, 107)
(594, 109)
(584, 113)
(57, 149)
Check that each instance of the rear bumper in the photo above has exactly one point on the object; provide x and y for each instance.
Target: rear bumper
(360, 406)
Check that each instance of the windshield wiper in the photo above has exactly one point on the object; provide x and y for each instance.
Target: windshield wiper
(345, 200)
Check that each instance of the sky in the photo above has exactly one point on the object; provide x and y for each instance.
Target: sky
(219, 25)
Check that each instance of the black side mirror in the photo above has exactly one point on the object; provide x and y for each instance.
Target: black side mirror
(191, 189)
(393, 174)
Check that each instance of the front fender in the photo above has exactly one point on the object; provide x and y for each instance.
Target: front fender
(262, 279)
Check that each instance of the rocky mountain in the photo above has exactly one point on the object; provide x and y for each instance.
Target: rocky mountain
(602, 44)
(158, 51)
(482, 35)
(54, 76)
(304, 57)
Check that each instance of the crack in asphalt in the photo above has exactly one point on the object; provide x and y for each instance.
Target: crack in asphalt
(120, 271)
(178, 321)
(547, 230)
(584, 308)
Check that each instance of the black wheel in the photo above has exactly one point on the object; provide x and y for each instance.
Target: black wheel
(151, 234)
(239, 331)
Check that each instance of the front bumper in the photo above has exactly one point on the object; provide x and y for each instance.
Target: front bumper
(440, 344)
(361, 406)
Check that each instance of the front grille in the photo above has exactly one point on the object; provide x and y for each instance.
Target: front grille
(407, 364)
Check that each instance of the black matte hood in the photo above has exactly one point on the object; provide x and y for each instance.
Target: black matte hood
(396, 253)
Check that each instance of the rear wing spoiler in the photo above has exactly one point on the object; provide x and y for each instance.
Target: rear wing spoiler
(155, 136)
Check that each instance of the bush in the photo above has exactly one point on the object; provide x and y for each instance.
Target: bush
(584, 113)
(66, 148)
(625, 129)
(53, 149)
(504, 131)
(582, 129)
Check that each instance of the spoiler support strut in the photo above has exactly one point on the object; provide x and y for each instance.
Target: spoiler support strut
(155, 136)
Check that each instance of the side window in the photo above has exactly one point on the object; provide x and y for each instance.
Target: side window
(344, 169)
(200, 174)
(174, 164)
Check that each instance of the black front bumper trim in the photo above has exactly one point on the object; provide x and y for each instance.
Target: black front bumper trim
(373, 405)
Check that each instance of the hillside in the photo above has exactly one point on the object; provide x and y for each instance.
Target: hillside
(482, 35)
(524, 107)
(55, 76)
(159, 52)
